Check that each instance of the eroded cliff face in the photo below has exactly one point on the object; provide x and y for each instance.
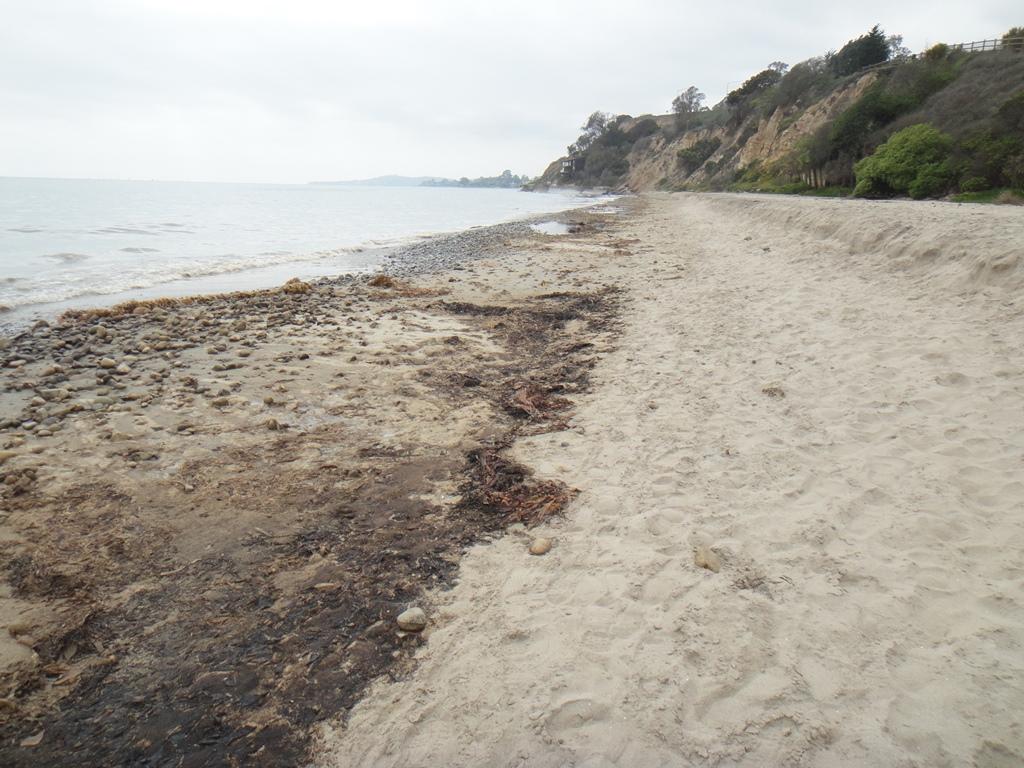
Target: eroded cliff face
(780, 134)
(653, 163)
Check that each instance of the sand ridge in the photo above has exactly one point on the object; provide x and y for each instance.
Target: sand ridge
(838, 418)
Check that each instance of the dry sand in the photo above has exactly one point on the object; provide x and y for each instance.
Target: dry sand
(826, 400)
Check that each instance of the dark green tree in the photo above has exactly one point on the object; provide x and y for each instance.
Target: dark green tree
(595, 127)
(761, 81)
(872, 48)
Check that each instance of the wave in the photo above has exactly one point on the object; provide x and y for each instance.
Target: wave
(66, 257)
(146, 274)
(277, 232)
(123, 231)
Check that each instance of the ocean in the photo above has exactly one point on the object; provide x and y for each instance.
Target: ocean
(66, 243)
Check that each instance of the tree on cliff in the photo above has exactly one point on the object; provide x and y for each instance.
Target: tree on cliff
(687, 104)
(689, 101)
(872, 48)
(762, 81)
(593, 129)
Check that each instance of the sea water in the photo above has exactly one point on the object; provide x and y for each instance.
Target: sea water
(86, 242)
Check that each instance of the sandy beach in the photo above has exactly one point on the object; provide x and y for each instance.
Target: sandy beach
(775, 443)
(820, 403)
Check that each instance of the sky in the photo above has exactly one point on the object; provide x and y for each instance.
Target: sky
(312, 90)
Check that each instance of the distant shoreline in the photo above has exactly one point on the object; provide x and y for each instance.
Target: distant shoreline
(160, 272)
(416, 255)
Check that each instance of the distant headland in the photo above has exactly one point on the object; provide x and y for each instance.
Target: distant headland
(506, 179)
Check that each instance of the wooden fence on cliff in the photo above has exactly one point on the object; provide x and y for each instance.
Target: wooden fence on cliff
(975, 46)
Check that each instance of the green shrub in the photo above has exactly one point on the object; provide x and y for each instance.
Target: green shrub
(932, 180)
(974, 184)
(874, 109)
(642, 129)
(804, 84)
(693, 157)
(1010, 115)
(914, 160)
(987, 155)
(937, 52)
(914, 81)
(1014, 171)
(763, 80)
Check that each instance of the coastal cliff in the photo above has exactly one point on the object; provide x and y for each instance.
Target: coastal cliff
(810, 127)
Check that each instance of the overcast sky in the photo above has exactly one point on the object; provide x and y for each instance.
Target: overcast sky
(299, 90)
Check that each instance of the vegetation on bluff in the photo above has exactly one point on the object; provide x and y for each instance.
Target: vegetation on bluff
(869, 118)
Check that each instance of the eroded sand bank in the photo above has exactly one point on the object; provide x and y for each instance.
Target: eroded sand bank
(829, 397)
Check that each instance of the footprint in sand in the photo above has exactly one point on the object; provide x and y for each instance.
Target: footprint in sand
(575, 713)
(953, 379)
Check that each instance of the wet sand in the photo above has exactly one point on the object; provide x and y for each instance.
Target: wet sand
(213, 510)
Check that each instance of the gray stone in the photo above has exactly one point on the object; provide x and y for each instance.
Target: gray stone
(412, 620)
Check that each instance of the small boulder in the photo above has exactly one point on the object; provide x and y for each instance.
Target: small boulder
(412, 620)
(540, 546)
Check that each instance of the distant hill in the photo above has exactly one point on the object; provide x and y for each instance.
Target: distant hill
(506, 179)
(383, 181)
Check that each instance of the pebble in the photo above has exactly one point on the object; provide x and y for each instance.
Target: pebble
(706, 558)
(107, 362)
(31, 741)
(412, 620)
(540, 546)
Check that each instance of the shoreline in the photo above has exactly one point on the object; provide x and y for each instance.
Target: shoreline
(19, 318)
(265, 477)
